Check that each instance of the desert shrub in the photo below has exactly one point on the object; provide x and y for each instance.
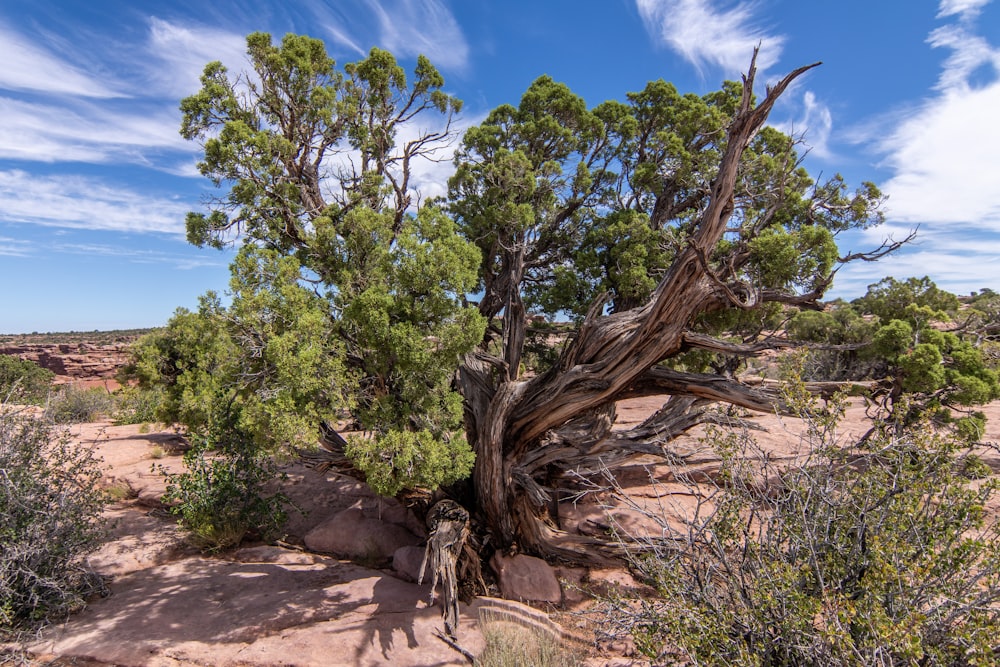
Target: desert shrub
(72, 405)
(23, 381)
(881, 554)
(223, 494)
(50, 507)
(135, 405)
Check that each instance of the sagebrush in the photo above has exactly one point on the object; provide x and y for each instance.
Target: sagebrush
(873, 553)
(50, 509)
(76, 405)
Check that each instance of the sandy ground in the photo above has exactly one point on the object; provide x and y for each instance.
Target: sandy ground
(267, 605)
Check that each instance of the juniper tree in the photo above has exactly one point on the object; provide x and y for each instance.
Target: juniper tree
(656, 223)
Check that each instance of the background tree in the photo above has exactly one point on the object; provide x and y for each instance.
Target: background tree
(659, 224)
(655, 223)
(916, 339)
(23, 381)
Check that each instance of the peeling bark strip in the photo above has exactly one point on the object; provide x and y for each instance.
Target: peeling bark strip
(449, 525)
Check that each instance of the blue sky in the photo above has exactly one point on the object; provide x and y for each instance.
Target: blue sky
(95, 179)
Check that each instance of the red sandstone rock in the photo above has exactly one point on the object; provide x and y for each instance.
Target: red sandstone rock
(84, 362)
(526, 578)
(407, 561)
(350, 534)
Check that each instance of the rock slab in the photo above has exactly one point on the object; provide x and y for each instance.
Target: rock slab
(350, 534)
(407, 561)
(526, 578)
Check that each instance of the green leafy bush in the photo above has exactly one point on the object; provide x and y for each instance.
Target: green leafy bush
(72, 405)
(50, 507)
(880, 554)
(136, 405)
(23, 381)
(222, 496)
(410, 459)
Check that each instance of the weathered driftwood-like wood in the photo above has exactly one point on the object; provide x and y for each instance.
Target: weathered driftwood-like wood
(449, 528)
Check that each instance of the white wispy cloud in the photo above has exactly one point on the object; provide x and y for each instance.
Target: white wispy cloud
(948, 266)
(140, 255)
(77, 202)
(412, 27)
(29, 66)
(180, 53)
(407, 28)
(341, 37)
(814, 125)
(707, 34)
(62, 114)
(967, 9)
(943, 153)
(81, 132)
(430, 173)
(11, 247)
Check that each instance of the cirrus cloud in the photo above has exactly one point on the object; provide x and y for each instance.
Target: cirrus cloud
(707, 34)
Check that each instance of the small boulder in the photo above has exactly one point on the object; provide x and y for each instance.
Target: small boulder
(407, 561)
(350, 534)
(526, 578)
(571, 579)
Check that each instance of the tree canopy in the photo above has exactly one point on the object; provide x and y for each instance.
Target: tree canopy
(670, 228)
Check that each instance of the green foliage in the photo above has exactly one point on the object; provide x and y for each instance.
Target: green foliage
(892, 340)
(289, 372)
(222, 495)
(793, 258)
(346, 295)
(50, 508)
(898, 329)
(23, 381)
(191, 361)
(891, 299)
(73, 405)
(410, 459)
(839, 324)
(573, 207)
(879, 554)
(135, 405)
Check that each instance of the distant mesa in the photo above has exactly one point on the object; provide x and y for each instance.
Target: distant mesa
(87, 360)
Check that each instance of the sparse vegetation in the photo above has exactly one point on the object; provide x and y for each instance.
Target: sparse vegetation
(223, 494)
(119, 490)
(23, 381)
(510, 644)
(50, 507)
(73, 405)
(879, 553)
(137, 405)
(110, 337)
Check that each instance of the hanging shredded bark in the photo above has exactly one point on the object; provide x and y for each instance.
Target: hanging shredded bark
(449, 528)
